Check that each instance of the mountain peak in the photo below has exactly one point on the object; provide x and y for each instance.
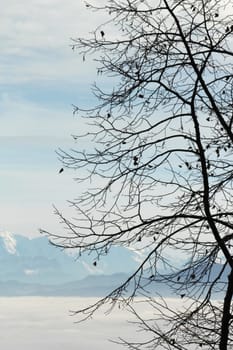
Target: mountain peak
(9, 241)
(37, 261)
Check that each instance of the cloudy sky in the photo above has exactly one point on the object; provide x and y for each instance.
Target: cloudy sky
(41, 77)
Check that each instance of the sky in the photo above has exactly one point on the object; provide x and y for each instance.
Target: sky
(41, 78)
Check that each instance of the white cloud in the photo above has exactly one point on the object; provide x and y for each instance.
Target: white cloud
(41, 24)
(37, 68)
(35, 40)
(138, 255)
(21, 117)
(26, 204)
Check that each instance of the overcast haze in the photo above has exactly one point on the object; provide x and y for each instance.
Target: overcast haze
(45, 323)
(41, 77)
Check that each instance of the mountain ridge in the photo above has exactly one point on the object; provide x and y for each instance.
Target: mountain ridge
(88, 287)
(33, 267)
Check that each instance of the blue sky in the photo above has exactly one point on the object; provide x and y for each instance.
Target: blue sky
(41, 77)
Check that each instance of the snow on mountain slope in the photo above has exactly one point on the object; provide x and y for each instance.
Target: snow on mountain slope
(9, 241)
(37, 261)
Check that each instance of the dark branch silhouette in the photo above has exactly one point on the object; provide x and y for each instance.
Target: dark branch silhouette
(160, 165)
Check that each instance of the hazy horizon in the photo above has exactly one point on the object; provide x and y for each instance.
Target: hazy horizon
(45, 322)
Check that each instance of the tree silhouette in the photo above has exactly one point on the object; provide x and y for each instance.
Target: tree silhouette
(161, 164)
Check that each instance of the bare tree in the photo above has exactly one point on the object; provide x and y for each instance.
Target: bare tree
(161, 164)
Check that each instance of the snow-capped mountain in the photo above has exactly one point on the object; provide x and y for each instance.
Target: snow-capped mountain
(35, 267)
(9, 241)
(37, 262)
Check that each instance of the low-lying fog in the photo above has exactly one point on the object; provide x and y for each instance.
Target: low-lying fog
(46, 323)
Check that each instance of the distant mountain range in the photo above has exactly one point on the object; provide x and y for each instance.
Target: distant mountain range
(92, 286)
(33, 267)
